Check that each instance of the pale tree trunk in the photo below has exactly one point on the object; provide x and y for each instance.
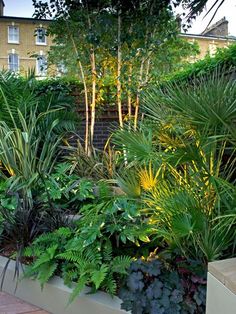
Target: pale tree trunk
(143, 80)
(94, 82)
(93, 103)
(119, 63)
(129, 100)
(86, 139)
(137, 102)
(141, 72)
(87, 143)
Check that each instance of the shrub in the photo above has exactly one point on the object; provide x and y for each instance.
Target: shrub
(224, 59)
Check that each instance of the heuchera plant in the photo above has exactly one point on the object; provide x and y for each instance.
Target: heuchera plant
(154, 286)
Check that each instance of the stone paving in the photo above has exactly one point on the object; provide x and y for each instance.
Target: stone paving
(11, 305)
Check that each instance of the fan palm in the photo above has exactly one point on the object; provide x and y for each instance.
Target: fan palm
(188, 136)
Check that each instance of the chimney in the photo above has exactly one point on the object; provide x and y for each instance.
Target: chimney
(220, 28)
(2, 5)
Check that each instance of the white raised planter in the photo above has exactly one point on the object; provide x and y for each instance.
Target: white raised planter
(55, 295)
(221, 287)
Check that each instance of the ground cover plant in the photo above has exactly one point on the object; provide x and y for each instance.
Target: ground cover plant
(169, 285)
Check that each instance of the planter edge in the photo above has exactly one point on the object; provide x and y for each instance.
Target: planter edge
(55, 295)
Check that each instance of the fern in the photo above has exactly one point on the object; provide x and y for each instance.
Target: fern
(79, 287)
(107, 251)
(47, 270)
(98, 276)
(109, 284)
(46, 257)
(120, 264)
(93, 264)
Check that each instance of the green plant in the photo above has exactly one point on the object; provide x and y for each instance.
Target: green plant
(98, 165)
(27, 95)
(118, 218)
(184, 158)
(23, 218)
(161, 286)
(65, 190)
(223, 60)
(64, 252)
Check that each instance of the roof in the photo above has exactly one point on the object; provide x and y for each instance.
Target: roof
(214, 26)
(231, 38)
(23, 18)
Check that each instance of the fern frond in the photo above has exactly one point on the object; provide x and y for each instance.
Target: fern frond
(78, 289)
(109, 284)
(107, 251)
(71, 256)
(63, 232)
(46, 257)
(120, 264)
(47, 270)
(98, 276)
(33, 251)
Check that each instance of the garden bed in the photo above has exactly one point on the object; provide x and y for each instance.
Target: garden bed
(55, 295)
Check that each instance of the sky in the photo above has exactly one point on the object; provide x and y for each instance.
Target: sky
(24, 8)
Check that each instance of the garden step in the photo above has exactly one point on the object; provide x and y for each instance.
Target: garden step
(12, 305)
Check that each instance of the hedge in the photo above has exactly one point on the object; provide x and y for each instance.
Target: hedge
(225, 58)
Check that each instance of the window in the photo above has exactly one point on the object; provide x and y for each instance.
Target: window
(212, 48)
(13, 62)
(41, 66)
(41, 36)
(13, 34)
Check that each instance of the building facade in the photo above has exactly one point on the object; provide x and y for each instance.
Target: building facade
(214, 37)
(24, 44)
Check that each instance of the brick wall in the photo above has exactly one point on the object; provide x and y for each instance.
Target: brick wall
(106, 120)
(102, 131)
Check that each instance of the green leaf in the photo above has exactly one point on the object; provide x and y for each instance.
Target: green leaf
(144, 238)
(99, 275)
(78, 289)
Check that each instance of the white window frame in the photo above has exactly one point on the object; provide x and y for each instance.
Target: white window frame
(18, 62)
(17, 34)
(40, 72)
(37, 37)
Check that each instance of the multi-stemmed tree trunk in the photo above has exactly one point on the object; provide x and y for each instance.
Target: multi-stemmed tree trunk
(131, 34)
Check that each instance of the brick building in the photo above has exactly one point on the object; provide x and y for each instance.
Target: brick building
(24, 44)
(215, 36)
